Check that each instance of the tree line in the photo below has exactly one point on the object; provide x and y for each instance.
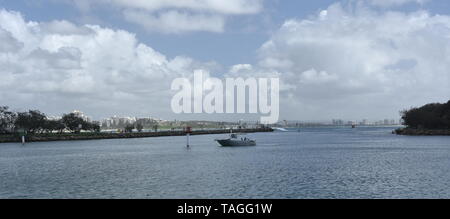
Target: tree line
(36, 122)
(430, 116)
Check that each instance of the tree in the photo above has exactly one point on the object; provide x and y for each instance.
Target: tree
(430, 116)
(139, 127)
(129, 128)
(91, 126)
(73, 122)
(32, 121)
(54, 125)
(95, 127)
(7, 119)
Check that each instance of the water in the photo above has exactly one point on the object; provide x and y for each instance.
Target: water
(315, 163)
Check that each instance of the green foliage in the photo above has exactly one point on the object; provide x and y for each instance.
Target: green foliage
(7, 119)
(91, 126)
(430, 116)
(32, 121)
(139, 127)
(73, 122)
(54, 125)
(129, 128)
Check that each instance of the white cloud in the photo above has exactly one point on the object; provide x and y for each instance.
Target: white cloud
(240, 67)
(176, 22)
(174, 16)
(342, 63)
(359, 62)
(9, 43)
(59, 66)
(218, 6)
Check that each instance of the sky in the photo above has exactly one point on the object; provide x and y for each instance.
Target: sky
(349, 59)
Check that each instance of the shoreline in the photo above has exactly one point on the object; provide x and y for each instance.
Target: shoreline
(421, 132)
(101, 136)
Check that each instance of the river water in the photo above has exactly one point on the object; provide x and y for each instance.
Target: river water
(313, 163)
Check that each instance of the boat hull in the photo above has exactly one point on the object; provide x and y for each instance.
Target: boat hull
(235, 143)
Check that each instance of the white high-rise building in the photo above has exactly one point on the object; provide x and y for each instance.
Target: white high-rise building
(81, 115)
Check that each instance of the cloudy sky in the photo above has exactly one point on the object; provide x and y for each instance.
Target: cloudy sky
(349, 59)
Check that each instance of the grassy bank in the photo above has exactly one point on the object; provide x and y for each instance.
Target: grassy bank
(97, 136)
(422, 132)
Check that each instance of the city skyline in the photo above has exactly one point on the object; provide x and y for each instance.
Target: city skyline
(129, 119)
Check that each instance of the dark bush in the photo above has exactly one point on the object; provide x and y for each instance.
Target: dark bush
(430, 116)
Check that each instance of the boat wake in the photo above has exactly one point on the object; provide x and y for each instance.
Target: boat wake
(281, 129)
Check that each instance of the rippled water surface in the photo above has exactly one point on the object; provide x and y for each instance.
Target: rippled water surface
(313, 163)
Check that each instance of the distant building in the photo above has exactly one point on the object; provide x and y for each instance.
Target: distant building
(338, 122)
(82, 115)
(364, 122)
(54, 118)
(117, 122)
